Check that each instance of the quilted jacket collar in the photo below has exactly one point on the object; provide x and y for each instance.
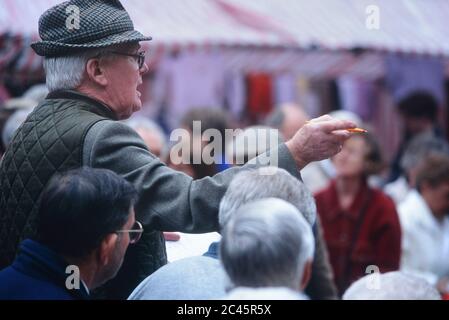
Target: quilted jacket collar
(100, 108)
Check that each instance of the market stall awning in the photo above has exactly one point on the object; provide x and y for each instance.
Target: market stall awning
(418, 26)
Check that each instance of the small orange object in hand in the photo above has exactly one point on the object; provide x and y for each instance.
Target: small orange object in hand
(357, 130)
(353, 130)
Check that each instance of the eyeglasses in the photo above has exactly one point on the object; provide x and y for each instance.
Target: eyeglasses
(140, 56)
(135, 233)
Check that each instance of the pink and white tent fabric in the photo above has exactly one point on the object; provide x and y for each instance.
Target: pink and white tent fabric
(418, 26)
(333, 26)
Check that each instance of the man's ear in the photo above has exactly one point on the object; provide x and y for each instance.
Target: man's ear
(95, 72)
(106, 248)
(306, 275)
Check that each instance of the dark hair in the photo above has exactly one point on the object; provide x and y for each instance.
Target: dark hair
(80, 207)
(434, 170)
(211, 118)
(419, 104)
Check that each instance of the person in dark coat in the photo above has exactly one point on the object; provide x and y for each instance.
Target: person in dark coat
(86, 224)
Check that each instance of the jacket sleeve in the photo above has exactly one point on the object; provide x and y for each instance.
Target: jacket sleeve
(168, 200)
(321, 285)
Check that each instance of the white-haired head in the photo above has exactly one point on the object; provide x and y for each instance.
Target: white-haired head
(152, 134)
(394, 285)
(252, 142)
(267, 243)
(251, 185)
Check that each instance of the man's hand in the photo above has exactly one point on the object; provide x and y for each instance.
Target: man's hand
(318, 139)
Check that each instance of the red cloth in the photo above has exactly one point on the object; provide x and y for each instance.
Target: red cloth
(259, 96)
(379, 239)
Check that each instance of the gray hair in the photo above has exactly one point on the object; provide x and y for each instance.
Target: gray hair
(267, 243)
(420, 147)
(139, 122)
(68, 72)
(252, 142)
(13, 123)
(251, 185)
(395, 285)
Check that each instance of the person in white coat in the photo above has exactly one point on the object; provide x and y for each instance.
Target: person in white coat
(425, 224)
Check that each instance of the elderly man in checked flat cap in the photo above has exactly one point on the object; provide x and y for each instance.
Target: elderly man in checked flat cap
(93, 73)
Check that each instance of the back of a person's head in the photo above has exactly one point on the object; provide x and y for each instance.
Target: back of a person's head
(276, 118)
(150, 131)
(391, 286)
(252, 142)
(419, 104)
(434, 170)
(268, 182)
(209, 118)
(81, 207)
(139, 122)
(420, 147)
(267, 243)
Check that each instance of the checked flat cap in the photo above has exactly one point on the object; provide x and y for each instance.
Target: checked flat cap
(77, 25)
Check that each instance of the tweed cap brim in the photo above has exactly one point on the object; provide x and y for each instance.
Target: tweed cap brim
(55, 49)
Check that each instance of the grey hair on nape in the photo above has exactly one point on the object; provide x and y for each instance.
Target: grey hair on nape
(251, 185)
(267, 243)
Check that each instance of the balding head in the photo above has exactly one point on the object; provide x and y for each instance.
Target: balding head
(288, 118)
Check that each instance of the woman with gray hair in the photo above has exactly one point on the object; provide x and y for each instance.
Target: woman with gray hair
(267, 243)
(418, 149)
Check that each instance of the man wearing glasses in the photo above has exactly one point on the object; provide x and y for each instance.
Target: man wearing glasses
(86, 222)
(93, 71)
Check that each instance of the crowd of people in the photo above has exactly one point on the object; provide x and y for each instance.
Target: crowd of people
(92, 197)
